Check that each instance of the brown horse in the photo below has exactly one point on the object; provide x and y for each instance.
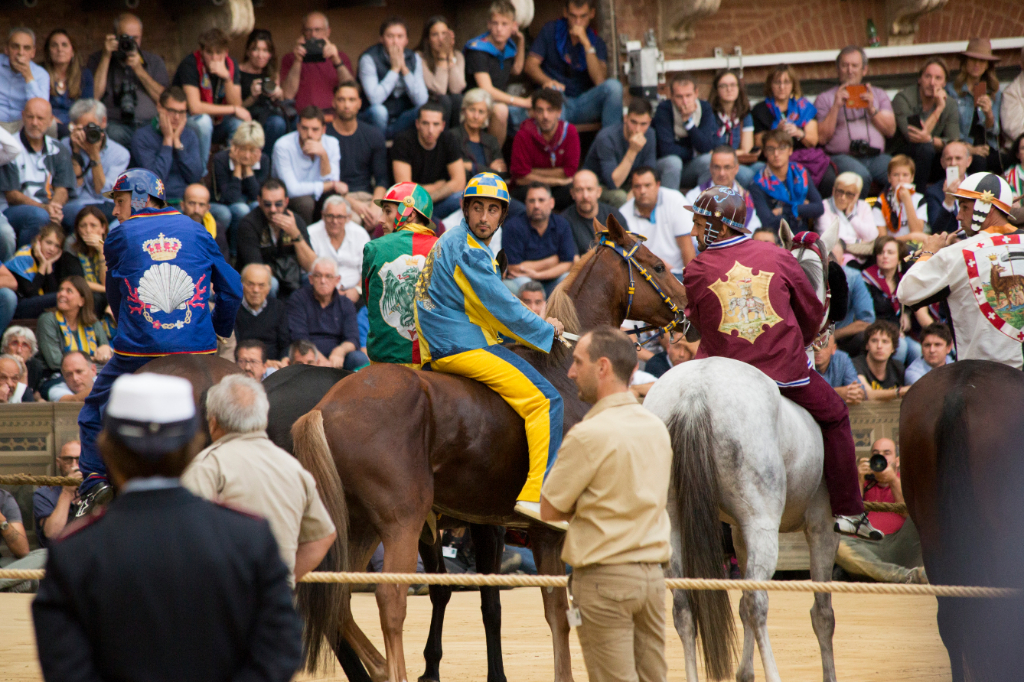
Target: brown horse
(203, 371)
(962, 465)
(390, 446)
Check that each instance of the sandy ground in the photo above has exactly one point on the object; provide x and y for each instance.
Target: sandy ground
(877, 638)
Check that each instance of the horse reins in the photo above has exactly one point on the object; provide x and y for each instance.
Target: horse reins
(810, 241)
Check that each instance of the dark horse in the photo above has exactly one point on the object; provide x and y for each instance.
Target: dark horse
(203, 371)
(390, 446)
(962, 465)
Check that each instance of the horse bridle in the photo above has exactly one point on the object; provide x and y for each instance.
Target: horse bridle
(631, 262)
(810, 241)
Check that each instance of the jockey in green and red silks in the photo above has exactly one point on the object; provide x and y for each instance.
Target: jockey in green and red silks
(161, 270)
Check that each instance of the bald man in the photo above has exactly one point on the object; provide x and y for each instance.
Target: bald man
(37, 182)
(942, 207)
(196, 205)
(310, 78)
(586, 190)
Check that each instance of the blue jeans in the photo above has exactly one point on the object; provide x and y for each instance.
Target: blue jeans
(8, 240)
(8, 304)
(273, 129)
(514, 284)
(90, 418)
(34, 306)
(355, 360)
(869, 168)
(26, 221)
(231, 216)
(73, 207)
(598, 104)
(377, 115)
(209, 133)
(447, 206)
(675, 174)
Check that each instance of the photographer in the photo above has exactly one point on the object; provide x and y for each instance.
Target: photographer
(897, 557)
(853, 128)
(99, 160)
(315, 67)
(212, 84)
(261, 91)
(128, 80)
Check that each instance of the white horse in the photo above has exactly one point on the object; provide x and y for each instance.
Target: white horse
(747, 456)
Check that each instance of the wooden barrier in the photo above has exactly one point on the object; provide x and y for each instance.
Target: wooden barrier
(31, 435)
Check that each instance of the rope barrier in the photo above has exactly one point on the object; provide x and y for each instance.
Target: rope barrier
(26, 479)
(476, 580)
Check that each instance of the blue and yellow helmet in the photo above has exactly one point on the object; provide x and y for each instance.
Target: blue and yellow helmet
(487, 185)
(142, 184)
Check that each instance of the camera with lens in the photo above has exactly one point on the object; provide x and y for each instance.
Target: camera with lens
(862, 149)
(314, 50)
(268, 85)
(93, 133)
(127, 98)
(125, 45)
(878, 464)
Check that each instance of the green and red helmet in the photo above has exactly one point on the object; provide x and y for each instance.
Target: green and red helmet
(410, 197)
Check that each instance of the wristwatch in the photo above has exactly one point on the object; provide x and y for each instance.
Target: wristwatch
(4, 526)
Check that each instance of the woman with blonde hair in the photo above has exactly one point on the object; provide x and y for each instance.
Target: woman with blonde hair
(480, 149)
(238, 173)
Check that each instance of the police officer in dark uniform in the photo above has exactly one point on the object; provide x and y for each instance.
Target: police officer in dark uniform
(163, 585)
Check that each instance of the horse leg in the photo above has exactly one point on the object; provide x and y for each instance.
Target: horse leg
(762, 554)
(399, 557)
(745, 671)
(823, 542)
(950, 619)
(547, 548)
(353, 640)
(490, 543)
(682, 616)
(439, 597)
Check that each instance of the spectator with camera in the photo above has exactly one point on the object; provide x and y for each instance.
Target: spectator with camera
(99, 159)
(239, 171)
(429, 155)
(927, 119)
(942, 206)
(619, 150)
(315, 66)
(897, 557)
(212, 84)
(276, 236)
(492, 59)
(783, 190)
(855, 119)
(69, 79)
(38, 182)
(546, 149)
(586, 208)
(53, 505)
(261, 317)
(308, 163)
(127, 79)
(364, 174)
(568, 55)
(169, 147)
(261, 92)
(684, 126)
(444, 67)
(936, 342)
(21, 79)
(392, 78)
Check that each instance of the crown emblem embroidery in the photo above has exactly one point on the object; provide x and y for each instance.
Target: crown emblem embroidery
(162, 248)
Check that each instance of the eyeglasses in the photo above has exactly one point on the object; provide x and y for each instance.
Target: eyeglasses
(272, 204)
(844, 193)
(774, 150)
(243, 362)
(176, 112)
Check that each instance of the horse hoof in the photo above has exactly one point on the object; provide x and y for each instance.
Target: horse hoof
(428, 679)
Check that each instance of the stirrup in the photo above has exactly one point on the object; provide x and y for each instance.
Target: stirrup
(101, 494)
(857, 527)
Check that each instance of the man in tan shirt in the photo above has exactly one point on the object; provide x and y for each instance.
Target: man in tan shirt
(243, 468)
(610, 482)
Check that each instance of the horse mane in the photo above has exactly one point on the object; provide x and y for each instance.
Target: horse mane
(812, 268)
(563, 308)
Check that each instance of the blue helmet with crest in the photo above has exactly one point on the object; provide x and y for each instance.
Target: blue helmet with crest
(142, 184)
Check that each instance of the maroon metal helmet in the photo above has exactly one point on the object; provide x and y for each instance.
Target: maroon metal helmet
(724, 205)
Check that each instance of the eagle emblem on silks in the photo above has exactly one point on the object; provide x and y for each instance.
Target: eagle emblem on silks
(996, 274)
(746, 307)
(398, 298)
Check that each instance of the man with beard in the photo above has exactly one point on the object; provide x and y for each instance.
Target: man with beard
(539, 246)
(365, 170)
(587, 207)
(546, 149)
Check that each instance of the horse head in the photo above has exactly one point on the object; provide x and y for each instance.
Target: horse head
(647, 289)
(814, 253)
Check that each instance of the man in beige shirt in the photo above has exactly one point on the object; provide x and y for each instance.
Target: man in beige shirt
(610, 482)
(243, 468)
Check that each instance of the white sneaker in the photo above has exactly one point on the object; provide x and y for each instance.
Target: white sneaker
(531, 510)
(857, 527)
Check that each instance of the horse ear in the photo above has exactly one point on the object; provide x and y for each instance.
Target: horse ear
(502, 261)
(786, 235)
(615, 231)
(831, 235)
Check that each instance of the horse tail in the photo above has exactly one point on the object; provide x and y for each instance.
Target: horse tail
(695, 481)
(324, 606)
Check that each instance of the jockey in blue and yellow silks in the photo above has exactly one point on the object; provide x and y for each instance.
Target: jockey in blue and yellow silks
(463, 311)
(160, 268)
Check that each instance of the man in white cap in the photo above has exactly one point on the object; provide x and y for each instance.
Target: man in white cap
(163, 584)
(978, 276)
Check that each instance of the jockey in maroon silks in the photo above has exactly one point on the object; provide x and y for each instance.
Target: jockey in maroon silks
(752, 302)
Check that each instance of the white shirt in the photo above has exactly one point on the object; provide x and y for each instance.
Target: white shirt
(862, 226)
(664, 225)
(691, 197)
(301, 173)
(915, 200)
(348, 256)
(977, 338)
